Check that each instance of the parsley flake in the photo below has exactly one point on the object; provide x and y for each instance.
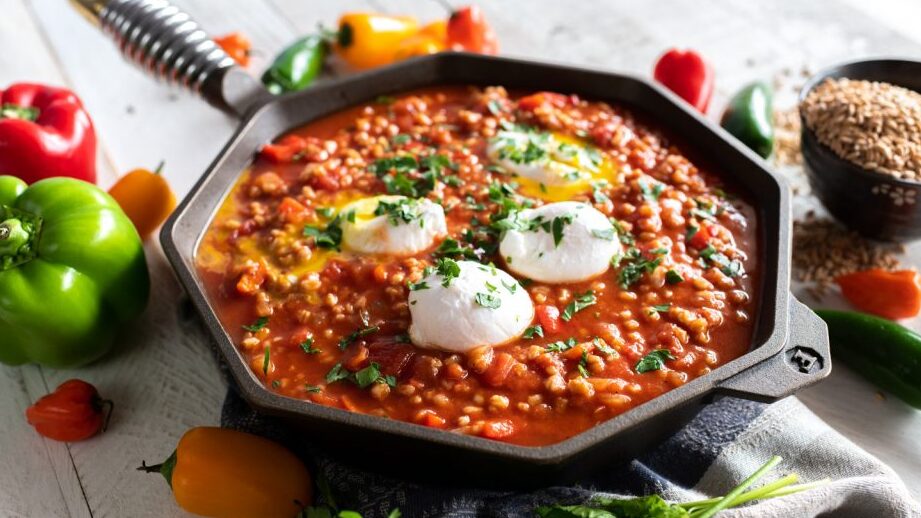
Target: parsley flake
(535, 330)
(653, 361)
(257, 325)
(488, 300)
(308, 347)
(578, 304)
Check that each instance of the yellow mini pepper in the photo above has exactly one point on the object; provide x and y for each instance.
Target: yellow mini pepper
(367, 40)
(430, 39)
(224, 473)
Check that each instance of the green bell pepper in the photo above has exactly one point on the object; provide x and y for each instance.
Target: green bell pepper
(72, 270)
(297, 66)
(882, 351)
(750, 118)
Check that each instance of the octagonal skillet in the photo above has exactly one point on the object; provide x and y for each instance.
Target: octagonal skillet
(789, 347)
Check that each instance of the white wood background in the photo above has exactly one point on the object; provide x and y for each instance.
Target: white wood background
(164, 379)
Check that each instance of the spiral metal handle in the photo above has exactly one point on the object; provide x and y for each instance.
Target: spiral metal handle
(167, 43)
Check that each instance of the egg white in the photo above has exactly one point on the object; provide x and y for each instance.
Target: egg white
(585, 248)
(446, 315)
(367, 233)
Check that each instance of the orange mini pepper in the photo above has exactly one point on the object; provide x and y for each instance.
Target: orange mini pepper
(367, 40)
(224, 473)
(887, 294)
(146, 199)
(431, 39)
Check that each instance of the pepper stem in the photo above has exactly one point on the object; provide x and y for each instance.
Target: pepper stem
(12, 236)
(165, 468)
(15, 111)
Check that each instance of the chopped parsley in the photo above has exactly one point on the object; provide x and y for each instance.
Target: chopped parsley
(488, 300)
(400, 211)
(416, 286)
(276, 383)
(521, 144)
(732, 268)
(578, 304)
(635, 266)
(308, 347)
(598, 194)
(625, 236)
(355, 335)
(448, 269)
(535, 330)
(494, 107)
(385, 100)
(653, 361)
(661, 308)
(329, 236)
(257, 325)
(651, 193)
(453, 249)
(313, 389)
(557, 227)
(266, 357)
(512, 288)
(363, 378)
(603, 346)
(400, 139)
(673, 277)
(326, 212)
(583, 364)
(561, 346)
(405, 175)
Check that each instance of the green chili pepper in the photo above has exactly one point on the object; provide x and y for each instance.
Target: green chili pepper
(72, 272)
(750, 118)
(884, 352)
(297, 66)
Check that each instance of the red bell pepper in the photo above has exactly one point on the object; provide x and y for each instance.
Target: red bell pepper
(73, 412)
(45, 132)
(687, 74)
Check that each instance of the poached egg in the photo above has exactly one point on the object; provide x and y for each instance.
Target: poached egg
(461, 305)
(549, 166)
(392, 225)
(560, 242)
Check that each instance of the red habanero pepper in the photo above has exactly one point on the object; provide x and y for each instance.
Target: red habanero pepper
(468, 30)
(45, 132)
(887, 294)
(73, 412)
(686, 73)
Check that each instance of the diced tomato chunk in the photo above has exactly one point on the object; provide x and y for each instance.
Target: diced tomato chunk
(701, 238)
(252, 278)
(549, 318)
(323, 181)
(498, 428)
(285, 149)
(534, 101)
(291, 210)
(393, 358)
(603, 133)
(497, 372)
(431, 419)
(356, 358)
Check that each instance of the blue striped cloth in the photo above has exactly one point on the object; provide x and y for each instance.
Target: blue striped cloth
(724, 444)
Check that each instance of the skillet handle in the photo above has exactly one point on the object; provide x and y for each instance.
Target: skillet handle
(167, 43)
(804, 360)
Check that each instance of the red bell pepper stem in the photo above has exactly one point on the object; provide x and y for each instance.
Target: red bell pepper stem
(44, 132)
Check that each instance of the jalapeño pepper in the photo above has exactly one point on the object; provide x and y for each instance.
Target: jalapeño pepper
(882, 351)
(749, 118)
(297, 66)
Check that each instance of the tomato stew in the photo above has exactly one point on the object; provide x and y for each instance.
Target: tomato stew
(319, 323)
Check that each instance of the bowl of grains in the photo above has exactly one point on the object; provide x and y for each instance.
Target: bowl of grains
(861, 145)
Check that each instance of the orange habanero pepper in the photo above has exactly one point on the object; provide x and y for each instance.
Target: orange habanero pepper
(367, 40)
(224, 473)
(237, 46)
(146, 199)
(887, 294)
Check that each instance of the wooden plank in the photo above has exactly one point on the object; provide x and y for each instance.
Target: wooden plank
(44, 481)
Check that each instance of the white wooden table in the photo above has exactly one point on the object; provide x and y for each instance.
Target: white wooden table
(164, 379)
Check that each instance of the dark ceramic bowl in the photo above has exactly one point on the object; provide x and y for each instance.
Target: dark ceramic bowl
(876, 205)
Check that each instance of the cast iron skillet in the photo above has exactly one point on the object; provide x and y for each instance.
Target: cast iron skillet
(789, 348)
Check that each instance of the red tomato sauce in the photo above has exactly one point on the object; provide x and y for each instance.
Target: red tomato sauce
(330, 326)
